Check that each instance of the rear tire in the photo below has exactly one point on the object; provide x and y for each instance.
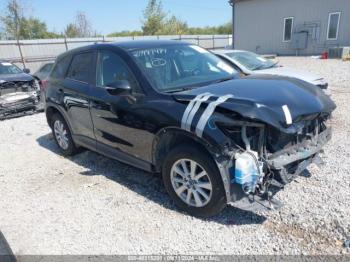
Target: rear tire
(193, 181)
(62, 135)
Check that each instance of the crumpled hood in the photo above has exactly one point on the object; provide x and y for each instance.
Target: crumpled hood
(263, 97)
(291, 72)
(15, 77)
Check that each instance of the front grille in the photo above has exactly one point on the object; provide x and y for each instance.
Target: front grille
(17, 86)
(277, 140)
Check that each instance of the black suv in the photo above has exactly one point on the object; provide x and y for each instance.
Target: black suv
(175, 108)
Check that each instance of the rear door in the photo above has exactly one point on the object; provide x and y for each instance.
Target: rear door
(76, 89)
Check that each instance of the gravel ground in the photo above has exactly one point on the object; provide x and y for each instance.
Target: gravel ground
(88, 204)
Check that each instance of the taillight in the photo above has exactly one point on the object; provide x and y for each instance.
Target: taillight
(44, 84)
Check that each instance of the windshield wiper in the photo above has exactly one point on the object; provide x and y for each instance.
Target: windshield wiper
(181, 89)
(262, 66)
(258, 67)
(224, 79)
(274, 64)
(186, 88)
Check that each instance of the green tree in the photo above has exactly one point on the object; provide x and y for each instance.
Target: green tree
(17, 26)
(225, 29)
(174, 26)
(125, 33)
(154, 17)
(32, 28)
(211, 30)
(11, 19)
(80, 28)
(71, 31)
(2, 34)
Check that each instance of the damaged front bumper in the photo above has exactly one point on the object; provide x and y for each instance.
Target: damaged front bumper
(300, 155)
(300, 151)
(15, 104)
(18, 97)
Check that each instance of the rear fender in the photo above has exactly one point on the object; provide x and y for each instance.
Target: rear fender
(51, 106)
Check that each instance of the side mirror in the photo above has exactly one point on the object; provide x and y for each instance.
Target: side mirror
(120, 87)
(26, 70)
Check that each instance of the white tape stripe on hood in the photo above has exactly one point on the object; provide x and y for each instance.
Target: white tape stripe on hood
(208, 112)
(189, 109)
(287, 115)
(194, 111)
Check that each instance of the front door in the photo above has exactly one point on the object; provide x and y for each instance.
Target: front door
(116, 117)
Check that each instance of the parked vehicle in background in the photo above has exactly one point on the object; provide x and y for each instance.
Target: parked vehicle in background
(44, 70)
(175, 108)
(250, 63)
(41, 75)
(19, 91)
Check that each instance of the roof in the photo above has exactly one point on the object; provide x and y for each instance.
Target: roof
(236, 1)
(126, 45)
(226, 51)
(138, 44)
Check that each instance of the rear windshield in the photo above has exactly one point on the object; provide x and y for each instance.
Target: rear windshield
(46, 68)
(9, 69)
(251, 61)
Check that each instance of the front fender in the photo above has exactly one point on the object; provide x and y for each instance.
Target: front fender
(166, 132)
(220, 154)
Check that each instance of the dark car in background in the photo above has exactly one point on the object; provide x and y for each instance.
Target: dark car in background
(41, 75)
(19, 91)
(44, 70)
(177, 109)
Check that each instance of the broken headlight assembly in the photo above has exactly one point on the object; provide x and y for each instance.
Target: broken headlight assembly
(249, 168)
(262, 157)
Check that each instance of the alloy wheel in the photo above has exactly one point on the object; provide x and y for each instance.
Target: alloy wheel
(191, 182)
(61, 135)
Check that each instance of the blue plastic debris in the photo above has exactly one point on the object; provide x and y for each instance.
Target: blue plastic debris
(347, 243)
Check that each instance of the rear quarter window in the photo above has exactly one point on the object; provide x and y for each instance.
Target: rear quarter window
(60, 69)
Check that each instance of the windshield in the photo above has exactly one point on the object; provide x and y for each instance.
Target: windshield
(251, 61)
(8, 68)
(180, 67)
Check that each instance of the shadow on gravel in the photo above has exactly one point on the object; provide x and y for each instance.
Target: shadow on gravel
(146, 184)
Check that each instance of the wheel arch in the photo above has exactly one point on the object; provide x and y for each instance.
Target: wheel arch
(168, 138)
(51, 110)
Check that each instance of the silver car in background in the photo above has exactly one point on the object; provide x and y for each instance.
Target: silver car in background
(250, 63)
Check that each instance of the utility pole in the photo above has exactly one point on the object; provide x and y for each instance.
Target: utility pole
(232, 3)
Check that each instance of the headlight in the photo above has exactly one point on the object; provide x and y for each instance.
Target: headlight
(36, 85)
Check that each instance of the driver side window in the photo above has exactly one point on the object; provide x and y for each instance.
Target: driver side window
(111, 68)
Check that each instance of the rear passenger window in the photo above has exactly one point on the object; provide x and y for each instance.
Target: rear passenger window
(61, 67)
(81, 68)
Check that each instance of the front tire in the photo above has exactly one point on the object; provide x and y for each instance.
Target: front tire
(193, 181)
(62, 135)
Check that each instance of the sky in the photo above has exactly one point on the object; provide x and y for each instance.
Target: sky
(109, 16)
